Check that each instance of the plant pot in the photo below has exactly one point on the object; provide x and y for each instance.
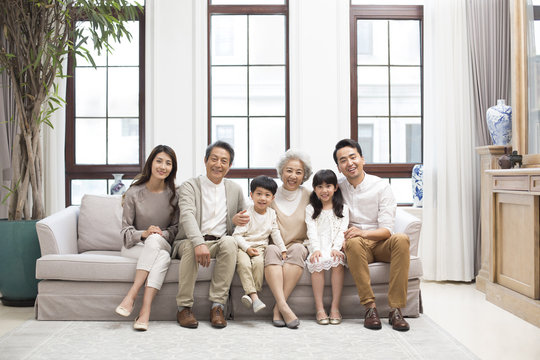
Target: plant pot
(19, 251)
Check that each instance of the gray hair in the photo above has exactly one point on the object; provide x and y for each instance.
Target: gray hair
(295, 155)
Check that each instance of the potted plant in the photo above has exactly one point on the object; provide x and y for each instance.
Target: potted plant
(36, 36)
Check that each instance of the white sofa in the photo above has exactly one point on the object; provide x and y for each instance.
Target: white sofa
(84, 277)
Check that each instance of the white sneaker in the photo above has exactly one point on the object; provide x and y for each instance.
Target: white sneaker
(246, 300)
(258, 305)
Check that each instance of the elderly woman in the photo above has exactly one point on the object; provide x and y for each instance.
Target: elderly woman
(290, 203)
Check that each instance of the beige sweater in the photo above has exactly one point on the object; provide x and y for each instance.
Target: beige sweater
(293, 227)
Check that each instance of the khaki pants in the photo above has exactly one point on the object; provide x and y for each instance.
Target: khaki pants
(224, 251)
(394, 250)
(251, 270)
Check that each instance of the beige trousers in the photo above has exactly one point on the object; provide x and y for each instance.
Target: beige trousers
(154, 256)
(394, 250)
(224, 251)
(251, 270)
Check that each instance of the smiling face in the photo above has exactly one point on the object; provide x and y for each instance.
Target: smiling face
(217, 164)
(292, 175)
(325, 193)
(262, 198)
(350, 164)
(161, 166)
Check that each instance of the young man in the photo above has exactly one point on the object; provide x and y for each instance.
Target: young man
(369, 238)
(209, 206)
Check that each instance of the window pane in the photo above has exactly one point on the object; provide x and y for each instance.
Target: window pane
(267, 91)
(123, 141)
(90, 138)
(244, 184)
(99, 60)
(402, 189)
(266, 141)
(373, 137)
(81, 187)
(372, 42)
(405, 42)
(372, 90)
(90, 89)
(247, 2)
(126, 52)
(405, 91)
(123, 91)
(228, 40)
(234, 131)
(229, 91)
(406, 140)
(267, 39)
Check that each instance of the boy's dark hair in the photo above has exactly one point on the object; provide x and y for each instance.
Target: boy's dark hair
(329, 177)
(264, 182)
(346, 143)
(220, 144)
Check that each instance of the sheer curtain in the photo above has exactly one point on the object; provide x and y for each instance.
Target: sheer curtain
(450, 193)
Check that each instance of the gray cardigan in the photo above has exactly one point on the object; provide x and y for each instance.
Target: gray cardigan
(190, 203)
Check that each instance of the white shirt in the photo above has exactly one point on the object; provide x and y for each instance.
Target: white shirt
(257, 230)
(287, 201)
(371, 204)
(214, 208)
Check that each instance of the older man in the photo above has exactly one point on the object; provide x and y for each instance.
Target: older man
(372, 209)
(209, 206)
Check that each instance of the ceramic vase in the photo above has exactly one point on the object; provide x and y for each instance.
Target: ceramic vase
(499, 122)
(118, 187)
(418, 184)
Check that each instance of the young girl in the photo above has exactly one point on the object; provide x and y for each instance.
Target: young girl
(149, 226)
(326, 218)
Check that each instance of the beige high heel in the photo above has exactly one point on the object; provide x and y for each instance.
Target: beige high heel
(140, 326)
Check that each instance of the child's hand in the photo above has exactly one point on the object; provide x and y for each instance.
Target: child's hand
(337, 255)
(315, 257)
(284, 255)
(252, 252)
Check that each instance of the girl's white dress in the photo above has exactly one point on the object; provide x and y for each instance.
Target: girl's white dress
(325, 233)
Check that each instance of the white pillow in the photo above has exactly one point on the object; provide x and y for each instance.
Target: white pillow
(100, 222)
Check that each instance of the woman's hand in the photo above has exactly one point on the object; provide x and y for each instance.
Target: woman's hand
(152, 229)
(315, 256)
(252, 252)
(337, 255)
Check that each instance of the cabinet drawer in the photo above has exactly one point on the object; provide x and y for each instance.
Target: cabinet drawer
(511, 183)
(535, 183)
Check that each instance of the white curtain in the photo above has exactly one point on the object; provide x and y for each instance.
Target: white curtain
(450, 193)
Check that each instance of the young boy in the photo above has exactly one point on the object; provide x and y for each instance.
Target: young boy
(252, 240)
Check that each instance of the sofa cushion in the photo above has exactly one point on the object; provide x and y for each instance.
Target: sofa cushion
(100, 222)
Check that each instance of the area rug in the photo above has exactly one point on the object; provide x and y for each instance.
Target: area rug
(239, 340)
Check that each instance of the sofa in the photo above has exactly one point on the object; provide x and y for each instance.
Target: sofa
(84, 277)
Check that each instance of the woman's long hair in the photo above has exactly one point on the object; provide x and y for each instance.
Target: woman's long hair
(144, 177)
(329, 177)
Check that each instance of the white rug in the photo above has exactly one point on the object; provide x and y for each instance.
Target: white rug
(239, 340)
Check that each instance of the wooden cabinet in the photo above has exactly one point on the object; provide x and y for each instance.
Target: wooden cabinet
(514, 241)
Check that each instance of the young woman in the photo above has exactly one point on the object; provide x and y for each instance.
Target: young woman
(149, 226)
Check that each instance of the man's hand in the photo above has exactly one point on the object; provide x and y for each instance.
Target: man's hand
(252, 252)
(241, 218)
(354, 232)
(315, 257)
(202, 255)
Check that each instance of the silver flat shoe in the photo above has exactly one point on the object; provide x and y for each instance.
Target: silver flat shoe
(293, 324)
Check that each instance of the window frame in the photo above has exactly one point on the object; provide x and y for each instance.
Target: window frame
(102, 171)
(249, 10)
(384, 12)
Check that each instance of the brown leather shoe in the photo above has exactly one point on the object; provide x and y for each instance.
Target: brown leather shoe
(217, 318)
(371, 319)
(186, 318)
(397, 321)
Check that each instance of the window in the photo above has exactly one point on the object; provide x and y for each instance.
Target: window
(386, 90)
(105, 117)
(248, 82)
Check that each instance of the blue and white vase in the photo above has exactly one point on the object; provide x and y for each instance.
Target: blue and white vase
(118, 187)
(499, 122)
(418, 184)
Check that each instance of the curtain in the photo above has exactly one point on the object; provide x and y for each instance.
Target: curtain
(450, 212)
(488, 28)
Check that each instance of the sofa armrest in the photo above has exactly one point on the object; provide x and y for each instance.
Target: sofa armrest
(409, 224)
(57, 233)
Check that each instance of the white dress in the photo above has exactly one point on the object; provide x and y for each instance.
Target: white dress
(325, 233)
